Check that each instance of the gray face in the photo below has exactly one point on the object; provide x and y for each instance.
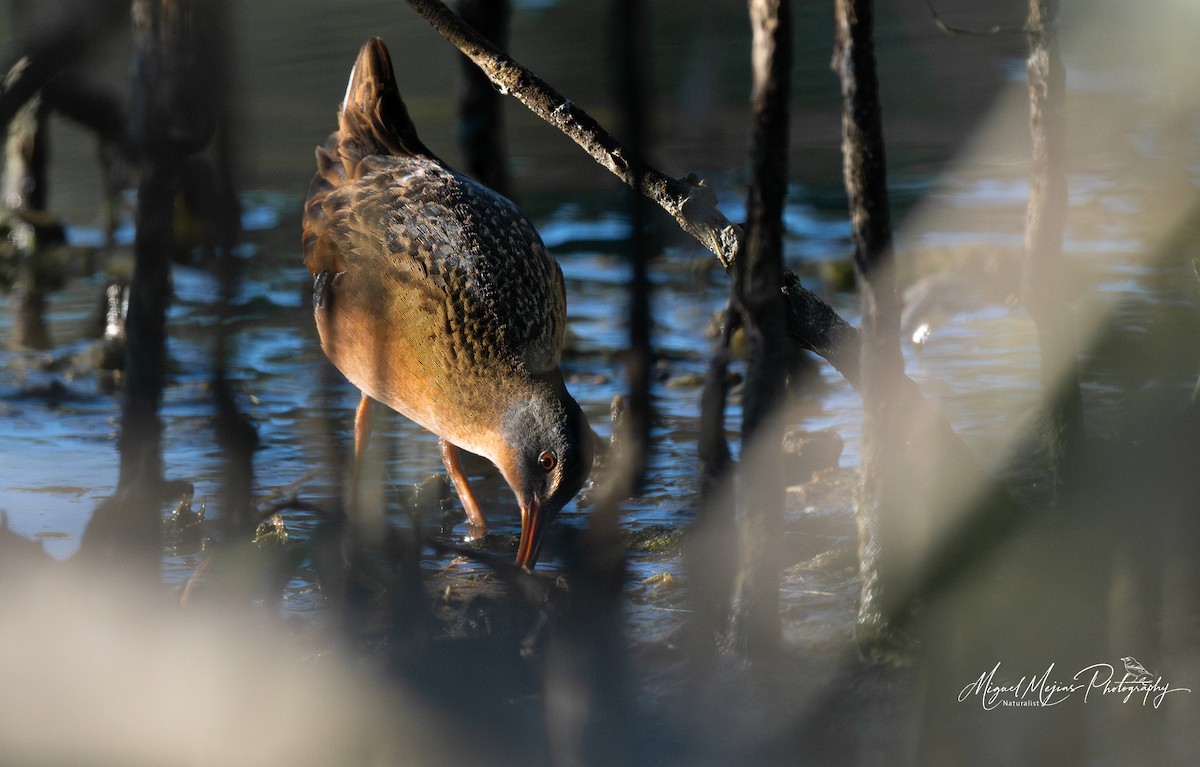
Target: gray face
(554, 448)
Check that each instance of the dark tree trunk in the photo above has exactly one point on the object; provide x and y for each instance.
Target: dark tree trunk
(172, 116)
(480, 109)
(177, 107)
(757, 277)
(882, 492)
(591, 713)
(145, 349)
(1042, 272)
(235, 432)
(633, 438)
(129, 523)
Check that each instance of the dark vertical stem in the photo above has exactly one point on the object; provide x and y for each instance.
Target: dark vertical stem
(1041, 280)
(128, 522)
(23, 187)
(712, 447)
(882, 491)
(587, 661)
(637, 365)
(235, 433)
(627, 465)
(756, 289)
(707, 554)
(145, 349)
(480, 109)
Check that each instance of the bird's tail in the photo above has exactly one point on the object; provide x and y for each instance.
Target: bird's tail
(371, 121)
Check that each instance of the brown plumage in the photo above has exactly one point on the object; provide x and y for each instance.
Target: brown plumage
(435, 296)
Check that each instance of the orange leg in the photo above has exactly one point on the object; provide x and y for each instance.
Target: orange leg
(475, 521)
(362, 435)
(362, 430)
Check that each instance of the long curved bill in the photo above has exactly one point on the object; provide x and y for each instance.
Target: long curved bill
(532, 523)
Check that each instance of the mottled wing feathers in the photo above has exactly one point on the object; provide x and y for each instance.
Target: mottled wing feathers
(454, 250)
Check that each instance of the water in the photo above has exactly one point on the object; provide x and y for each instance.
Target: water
(979, 367)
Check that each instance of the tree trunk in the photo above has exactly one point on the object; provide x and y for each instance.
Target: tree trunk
(882, 493)
(145, 349)
(757, 277)
(591, 715)
(480, 110)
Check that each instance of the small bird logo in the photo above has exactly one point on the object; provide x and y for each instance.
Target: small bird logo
(1136, 671)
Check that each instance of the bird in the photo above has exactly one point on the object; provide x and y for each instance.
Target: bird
(1135, 670)
(436, 297)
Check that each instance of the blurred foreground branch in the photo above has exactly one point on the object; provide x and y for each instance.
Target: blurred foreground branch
(591, 709)
(53, 46)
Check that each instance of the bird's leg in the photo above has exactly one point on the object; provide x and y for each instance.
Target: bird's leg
(476, 525)
(362, 430)
(362, 434)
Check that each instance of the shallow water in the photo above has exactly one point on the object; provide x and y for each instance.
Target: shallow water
(979, 366)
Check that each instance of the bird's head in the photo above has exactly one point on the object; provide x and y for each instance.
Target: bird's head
(547, 457)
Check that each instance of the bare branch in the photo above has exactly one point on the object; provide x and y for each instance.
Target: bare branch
(689, 201)
(692, 204)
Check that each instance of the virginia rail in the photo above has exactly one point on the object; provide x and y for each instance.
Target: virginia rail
(435, 296)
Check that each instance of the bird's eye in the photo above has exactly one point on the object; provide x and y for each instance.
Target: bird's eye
(547, 460)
